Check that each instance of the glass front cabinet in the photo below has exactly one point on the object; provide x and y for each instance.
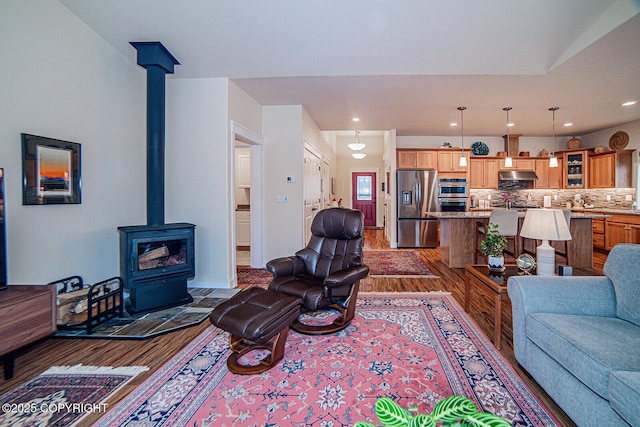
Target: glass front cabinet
(575, 164)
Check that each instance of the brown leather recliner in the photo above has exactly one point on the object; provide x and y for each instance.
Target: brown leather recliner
(326, 273)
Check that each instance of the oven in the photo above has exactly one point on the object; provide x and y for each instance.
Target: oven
(453, 194)
(453, 205)
(453, 187)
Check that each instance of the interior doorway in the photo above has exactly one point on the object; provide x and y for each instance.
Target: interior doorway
(363, 196)
(243, 138)
(243, 204)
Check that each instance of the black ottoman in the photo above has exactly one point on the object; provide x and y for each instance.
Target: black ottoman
(256, 318)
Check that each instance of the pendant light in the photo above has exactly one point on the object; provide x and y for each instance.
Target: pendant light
(463, 159)
(508, 162)
(357, 146)
(553, 161)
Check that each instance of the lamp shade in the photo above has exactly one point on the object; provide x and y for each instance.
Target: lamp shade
(545, 224)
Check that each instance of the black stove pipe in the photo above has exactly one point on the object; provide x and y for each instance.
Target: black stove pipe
(158, 61)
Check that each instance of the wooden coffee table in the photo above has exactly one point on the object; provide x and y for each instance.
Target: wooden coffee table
(492, 283)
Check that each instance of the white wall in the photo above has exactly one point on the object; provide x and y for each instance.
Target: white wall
(197, 171)
(60, 80)
(282, 156)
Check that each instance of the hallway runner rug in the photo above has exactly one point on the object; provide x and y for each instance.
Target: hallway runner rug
(63, 395)
(403, 263)
(416, 348)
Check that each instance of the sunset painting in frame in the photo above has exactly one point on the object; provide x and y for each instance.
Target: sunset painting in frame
(51, 171)
(54, 170)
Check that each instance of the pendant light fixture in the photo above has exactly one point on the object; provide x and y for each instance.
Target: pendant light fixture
(553, 161)
(508, 162)
(357, 146)
(463, 159)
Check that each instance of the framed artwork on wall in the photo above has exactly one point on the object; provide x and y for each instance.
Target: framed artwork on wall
(50, 171)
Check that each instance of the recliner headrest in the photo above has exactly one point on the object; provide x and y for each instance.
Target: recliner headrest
(338, 223)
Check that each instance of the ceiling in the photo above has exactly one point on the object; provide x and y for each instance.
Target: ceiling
(404, 65)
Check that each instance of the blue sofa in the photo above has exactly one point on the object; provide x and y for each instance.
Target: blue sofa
(579, 338)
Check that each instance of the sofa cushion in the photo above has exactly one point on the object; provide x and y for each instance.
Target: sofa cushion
(589, 347)
(624, 395)
(623, 269)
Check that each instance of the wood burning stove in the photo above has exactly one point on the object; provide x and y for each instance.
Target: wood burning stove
(156, 259)
(155, 264)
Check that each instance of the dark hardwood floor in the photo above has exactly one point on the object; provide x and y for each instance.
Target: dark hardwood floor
(155, 352)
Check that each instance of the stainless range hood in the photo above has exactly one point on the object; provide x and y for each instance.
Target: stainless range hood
(517, 176)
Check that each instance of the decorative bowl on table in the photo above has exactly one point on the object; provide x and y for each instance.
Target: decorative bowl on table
(479, 148)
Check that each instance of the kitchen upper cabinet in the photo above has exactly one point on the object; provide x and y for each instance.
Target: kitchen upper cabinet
(519, 163)
(611, 169)
(483, 173)
(416, 159)
(575, 169)
(243, 169)
(524, 164)
(449, 160)
(548, 177)
(427, 159)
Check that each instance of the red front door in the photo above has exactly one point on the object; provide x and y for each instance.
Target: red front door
(364, 195)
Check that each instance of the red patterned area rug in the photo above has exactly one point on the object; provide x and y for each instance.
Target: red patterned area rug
(253, 276)
(396, 263)
(63, 395)
(416, 348)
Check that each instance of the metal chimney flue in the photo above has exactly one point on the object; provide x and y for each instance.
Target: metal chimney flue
(158, 61)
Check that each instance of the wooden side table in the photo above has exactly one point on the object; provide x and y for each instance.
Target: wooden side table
(27, 314)
(495, 284)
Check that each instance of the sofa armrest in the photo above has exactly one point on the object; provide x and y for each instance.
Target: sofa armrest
(286, 266)
(587, 296)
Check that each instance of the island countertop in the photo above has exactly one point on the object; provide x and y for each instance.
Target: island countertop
(458, 229)
(487, 213)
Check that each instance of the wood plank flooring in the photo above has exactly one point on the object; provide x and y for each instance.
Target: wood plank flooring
(155, 352)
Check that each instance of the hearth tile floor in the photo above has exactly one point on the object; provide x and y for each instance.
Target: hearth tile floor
(147, 325)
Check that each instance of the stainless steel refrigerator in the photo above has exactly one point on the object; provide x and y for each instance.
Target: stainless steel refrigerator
(417, 194)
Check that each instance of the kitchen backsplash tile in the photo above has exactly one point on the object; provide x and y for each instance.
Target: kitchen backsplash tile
(596, 197)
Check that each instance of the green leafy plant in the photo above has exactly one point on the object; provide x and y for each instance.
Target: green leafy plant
(494, 243)
(452, 411)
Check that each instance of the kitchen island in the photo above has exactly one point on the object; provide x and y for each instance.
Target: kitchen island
(457, 237)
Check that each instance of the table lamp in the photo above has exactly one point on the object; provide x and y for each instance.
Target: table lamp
(545, 225)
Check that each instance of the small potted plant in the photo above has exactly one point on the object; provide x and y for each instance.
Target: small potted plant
(493, 247)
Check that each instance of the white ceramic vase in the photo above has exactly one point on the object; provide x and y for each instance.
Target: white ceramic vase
(495, 263)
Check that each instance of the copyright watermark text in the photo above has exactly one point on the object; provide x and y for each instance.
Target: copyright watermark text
(27, 408)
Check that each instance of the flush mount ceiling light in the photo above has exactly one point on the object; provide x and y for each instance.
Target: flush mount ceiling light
(463, 159)
(508, 162)
(553, 161)
(357, 146)
(567, 124)
(355, 119)
(629, 103)
(359, 155)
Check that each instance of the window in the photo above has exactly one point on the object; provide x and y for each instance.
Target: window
(364, 188)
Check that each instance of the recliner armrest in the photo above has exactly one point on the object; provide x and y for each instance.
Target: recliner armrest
(347, 276)
(286, 266)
